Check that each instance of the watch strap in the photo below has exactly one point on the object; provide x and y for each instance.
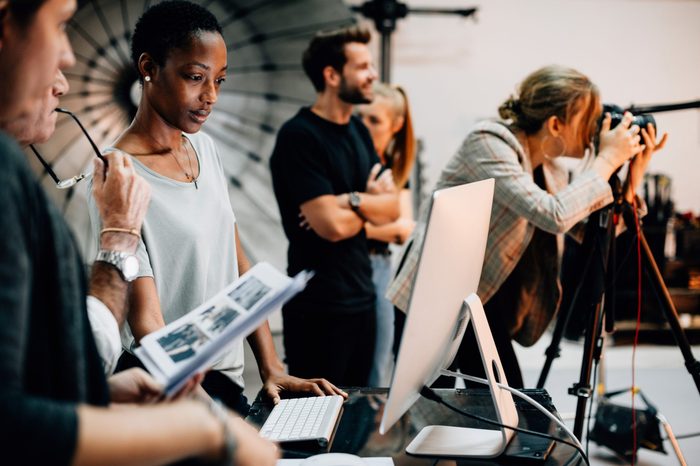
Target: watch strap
(354, 202)
(116, 259)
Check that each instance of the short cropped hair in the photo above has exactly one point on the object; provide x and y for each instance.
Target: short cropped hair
(24, 10)
(170, 25)
(328, 49)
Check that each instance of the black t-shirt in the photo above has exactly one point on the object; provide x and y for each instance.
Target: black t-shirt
(48, 358)
(315, 157)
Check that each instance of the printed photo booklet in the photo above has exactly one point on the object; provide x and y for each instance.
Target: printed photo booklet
(194, 342)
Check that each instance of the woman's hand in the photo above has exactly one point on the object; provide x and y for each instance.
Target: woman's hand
(277, 382)
(640, 162)
(381, 185)
(617, 145)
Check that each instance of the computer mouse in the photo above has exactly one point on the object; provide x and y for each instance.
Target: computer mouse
(333, 459)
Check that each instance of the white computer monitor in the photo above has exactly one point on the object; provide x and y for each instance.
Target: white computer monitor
(443, 298)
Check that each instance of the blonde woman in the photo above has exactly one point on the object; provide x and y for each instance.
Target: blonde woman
(554, 113)
(388, 119)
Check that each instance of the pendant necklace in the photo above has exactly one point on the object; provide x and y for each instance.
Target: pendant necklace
(190, 176)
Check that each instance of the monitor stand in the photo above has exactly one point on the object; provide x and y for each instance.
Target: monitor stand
(464, 442)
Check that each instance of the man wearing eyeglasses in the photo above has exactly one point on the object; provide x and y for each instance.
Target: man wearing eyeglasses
(127, 196)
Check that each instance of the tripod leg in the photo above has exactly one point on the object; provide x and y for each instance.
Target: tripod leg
(669, 309)
(553, 351)
(589, 250)
(672, 439)
(582, 390)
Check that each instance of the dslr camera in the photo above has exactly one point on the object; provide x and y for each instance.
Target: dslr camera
(616, 112)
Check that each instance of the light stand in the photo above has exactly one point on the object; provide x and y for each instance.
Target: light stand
(385, 14)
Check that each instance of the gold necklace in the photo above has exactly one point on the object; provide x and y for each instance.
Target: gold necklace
(190, 176)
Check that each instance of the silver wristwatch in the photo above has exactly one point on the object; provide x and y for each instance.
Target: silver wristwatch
(127, 264)
(354, 201)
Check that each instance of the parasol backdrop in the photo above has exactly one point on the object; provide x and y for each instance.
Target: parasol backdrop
(266, 86)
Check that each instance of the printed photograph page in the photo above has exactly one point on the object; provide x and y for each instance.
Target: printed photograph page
(194, 342)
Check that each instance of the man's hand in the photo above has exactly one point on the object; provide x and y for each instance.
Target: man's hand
(122, 199)
(137, 386)
(133, 386)
(383, 184)
(280, 381)
(251, 449)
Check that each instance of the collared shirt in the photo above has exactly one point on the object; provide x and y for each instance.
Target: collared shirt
(105, 330)
(491, 150)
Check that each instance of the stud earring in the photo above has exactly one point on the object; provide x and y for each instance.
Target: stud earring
(147, 79)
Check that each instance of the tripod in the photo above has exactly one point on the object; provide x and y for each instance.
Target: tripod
(591, 298)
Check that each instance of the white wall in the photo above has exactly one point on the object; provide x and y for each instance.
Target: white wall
(458, 71)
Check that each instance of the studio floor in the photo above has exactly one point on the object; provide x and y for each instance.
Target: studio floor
(660, 374)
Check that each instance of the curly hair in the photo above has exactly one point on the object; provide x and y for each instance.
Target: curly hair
(170, 25)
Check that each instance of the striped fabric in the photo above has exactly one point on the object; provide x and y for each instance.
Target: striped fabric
(491, 150)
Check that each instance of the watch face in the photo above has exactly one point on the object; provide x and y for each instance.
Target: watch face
(130, 267)
(354, 200)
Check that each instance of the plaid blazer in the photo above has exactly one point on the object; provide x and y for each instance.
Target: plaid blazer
(491, 150)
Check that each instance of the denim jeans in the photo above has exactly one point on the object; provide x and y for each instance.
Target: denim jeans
(381, 274)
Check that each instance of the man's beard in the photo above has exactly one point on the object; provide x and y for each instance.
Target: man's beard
(352, 95)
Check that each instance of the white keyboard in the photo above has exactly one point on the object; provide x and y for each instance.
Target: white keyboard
(302, 419)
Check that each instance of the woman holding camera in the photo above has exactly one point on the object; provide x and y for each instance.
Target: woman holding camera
(554, 114)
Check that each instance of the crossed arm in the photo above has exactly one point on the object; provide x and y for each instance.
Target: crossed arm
(400, 229)
(332, 218)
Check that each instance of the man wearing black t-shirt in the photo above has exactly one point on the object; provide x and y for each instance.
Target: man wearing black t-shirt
(326, 184)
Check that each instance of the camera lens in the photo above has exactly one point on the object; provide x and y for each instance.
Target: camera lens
(640, 120)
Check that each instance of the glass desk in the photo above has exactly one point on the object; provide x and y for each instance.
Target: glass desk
(358, 430)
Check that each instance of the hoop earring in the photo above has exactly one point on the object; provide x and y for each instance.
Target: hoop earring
(147, 79)
(544, 151)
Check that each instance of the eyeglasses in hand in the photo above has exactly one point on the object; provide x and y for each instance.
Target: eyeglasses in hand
(69, 182)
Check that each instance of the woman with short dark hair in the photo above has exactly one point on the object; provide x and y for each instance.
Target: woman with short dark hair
(190, 248)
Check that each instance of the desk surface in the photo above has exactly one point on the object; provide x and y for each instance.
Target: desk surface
(358, 429)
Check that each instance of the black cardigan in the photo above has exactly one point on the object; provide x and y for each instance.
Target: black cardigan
(48, 359)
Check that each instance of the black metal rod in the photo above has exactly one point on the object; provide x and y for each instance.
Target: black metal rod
(464, 12)
(385, 13)
(593, 304)
(553, 351)
(583, 390)
(385, 69)
(664, 107)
